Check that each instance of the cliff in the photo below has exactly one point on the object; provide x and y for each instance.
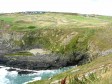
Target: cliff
(53, 40)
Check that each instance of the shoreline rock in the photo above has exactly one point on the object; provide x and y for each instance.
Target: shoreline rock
(42, 62)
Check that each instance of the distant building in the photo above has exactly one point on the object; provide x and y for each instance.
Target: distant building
(31, 12)
(89, 15)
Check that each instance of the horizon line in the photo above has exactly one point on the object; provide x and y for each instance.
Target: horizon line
(53, 12)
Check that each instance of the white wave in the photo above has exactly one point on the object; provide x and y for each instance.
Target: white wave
(12, 73)
(7, 76)
(3, 74)
(37, 78)
(34, 79)
(46, 71)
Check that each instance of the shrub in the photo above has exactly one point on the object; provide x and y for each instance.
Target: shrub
(31, 27)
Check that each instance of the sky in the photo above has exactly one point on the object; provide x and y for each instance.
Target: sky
(102, 7)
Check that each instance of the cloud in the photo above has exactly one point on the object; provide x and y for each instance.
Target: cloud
(103, 7)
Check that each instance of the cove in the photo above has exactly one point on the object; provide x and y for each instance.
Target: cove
(12, 77)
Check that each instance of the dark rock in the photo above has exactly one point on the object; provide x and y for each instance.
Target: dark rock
(25, 72)
(11, 69)
(49, 61)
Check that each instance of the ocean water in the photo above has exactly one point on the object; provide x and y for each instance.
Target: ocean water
(12, 77)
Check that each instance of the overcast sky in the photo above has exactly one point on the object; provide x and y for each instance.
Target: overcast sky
(102, 7)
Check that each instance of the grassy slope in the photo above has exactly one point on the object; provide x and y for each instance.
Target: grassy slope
(105, 74)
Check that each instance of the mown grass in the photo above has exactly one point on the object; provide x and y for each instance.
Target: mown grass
(6, 18)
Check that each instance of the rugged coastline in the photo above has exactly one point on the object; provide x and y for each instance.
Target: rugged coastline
(39, 62)
(16, 51)
(48, 41)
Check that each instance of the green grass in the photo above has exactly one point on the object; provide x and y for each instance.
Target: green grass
(53, 20)
(6, 19)
(105, 18)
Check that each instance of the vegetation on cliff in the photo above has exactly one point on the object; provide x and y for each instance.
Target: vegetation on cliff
(96, 72)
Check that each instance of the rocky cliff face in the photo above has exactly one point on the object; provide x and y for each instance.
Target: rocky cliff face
(63, 51)
(9, 38)
(13, 42)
